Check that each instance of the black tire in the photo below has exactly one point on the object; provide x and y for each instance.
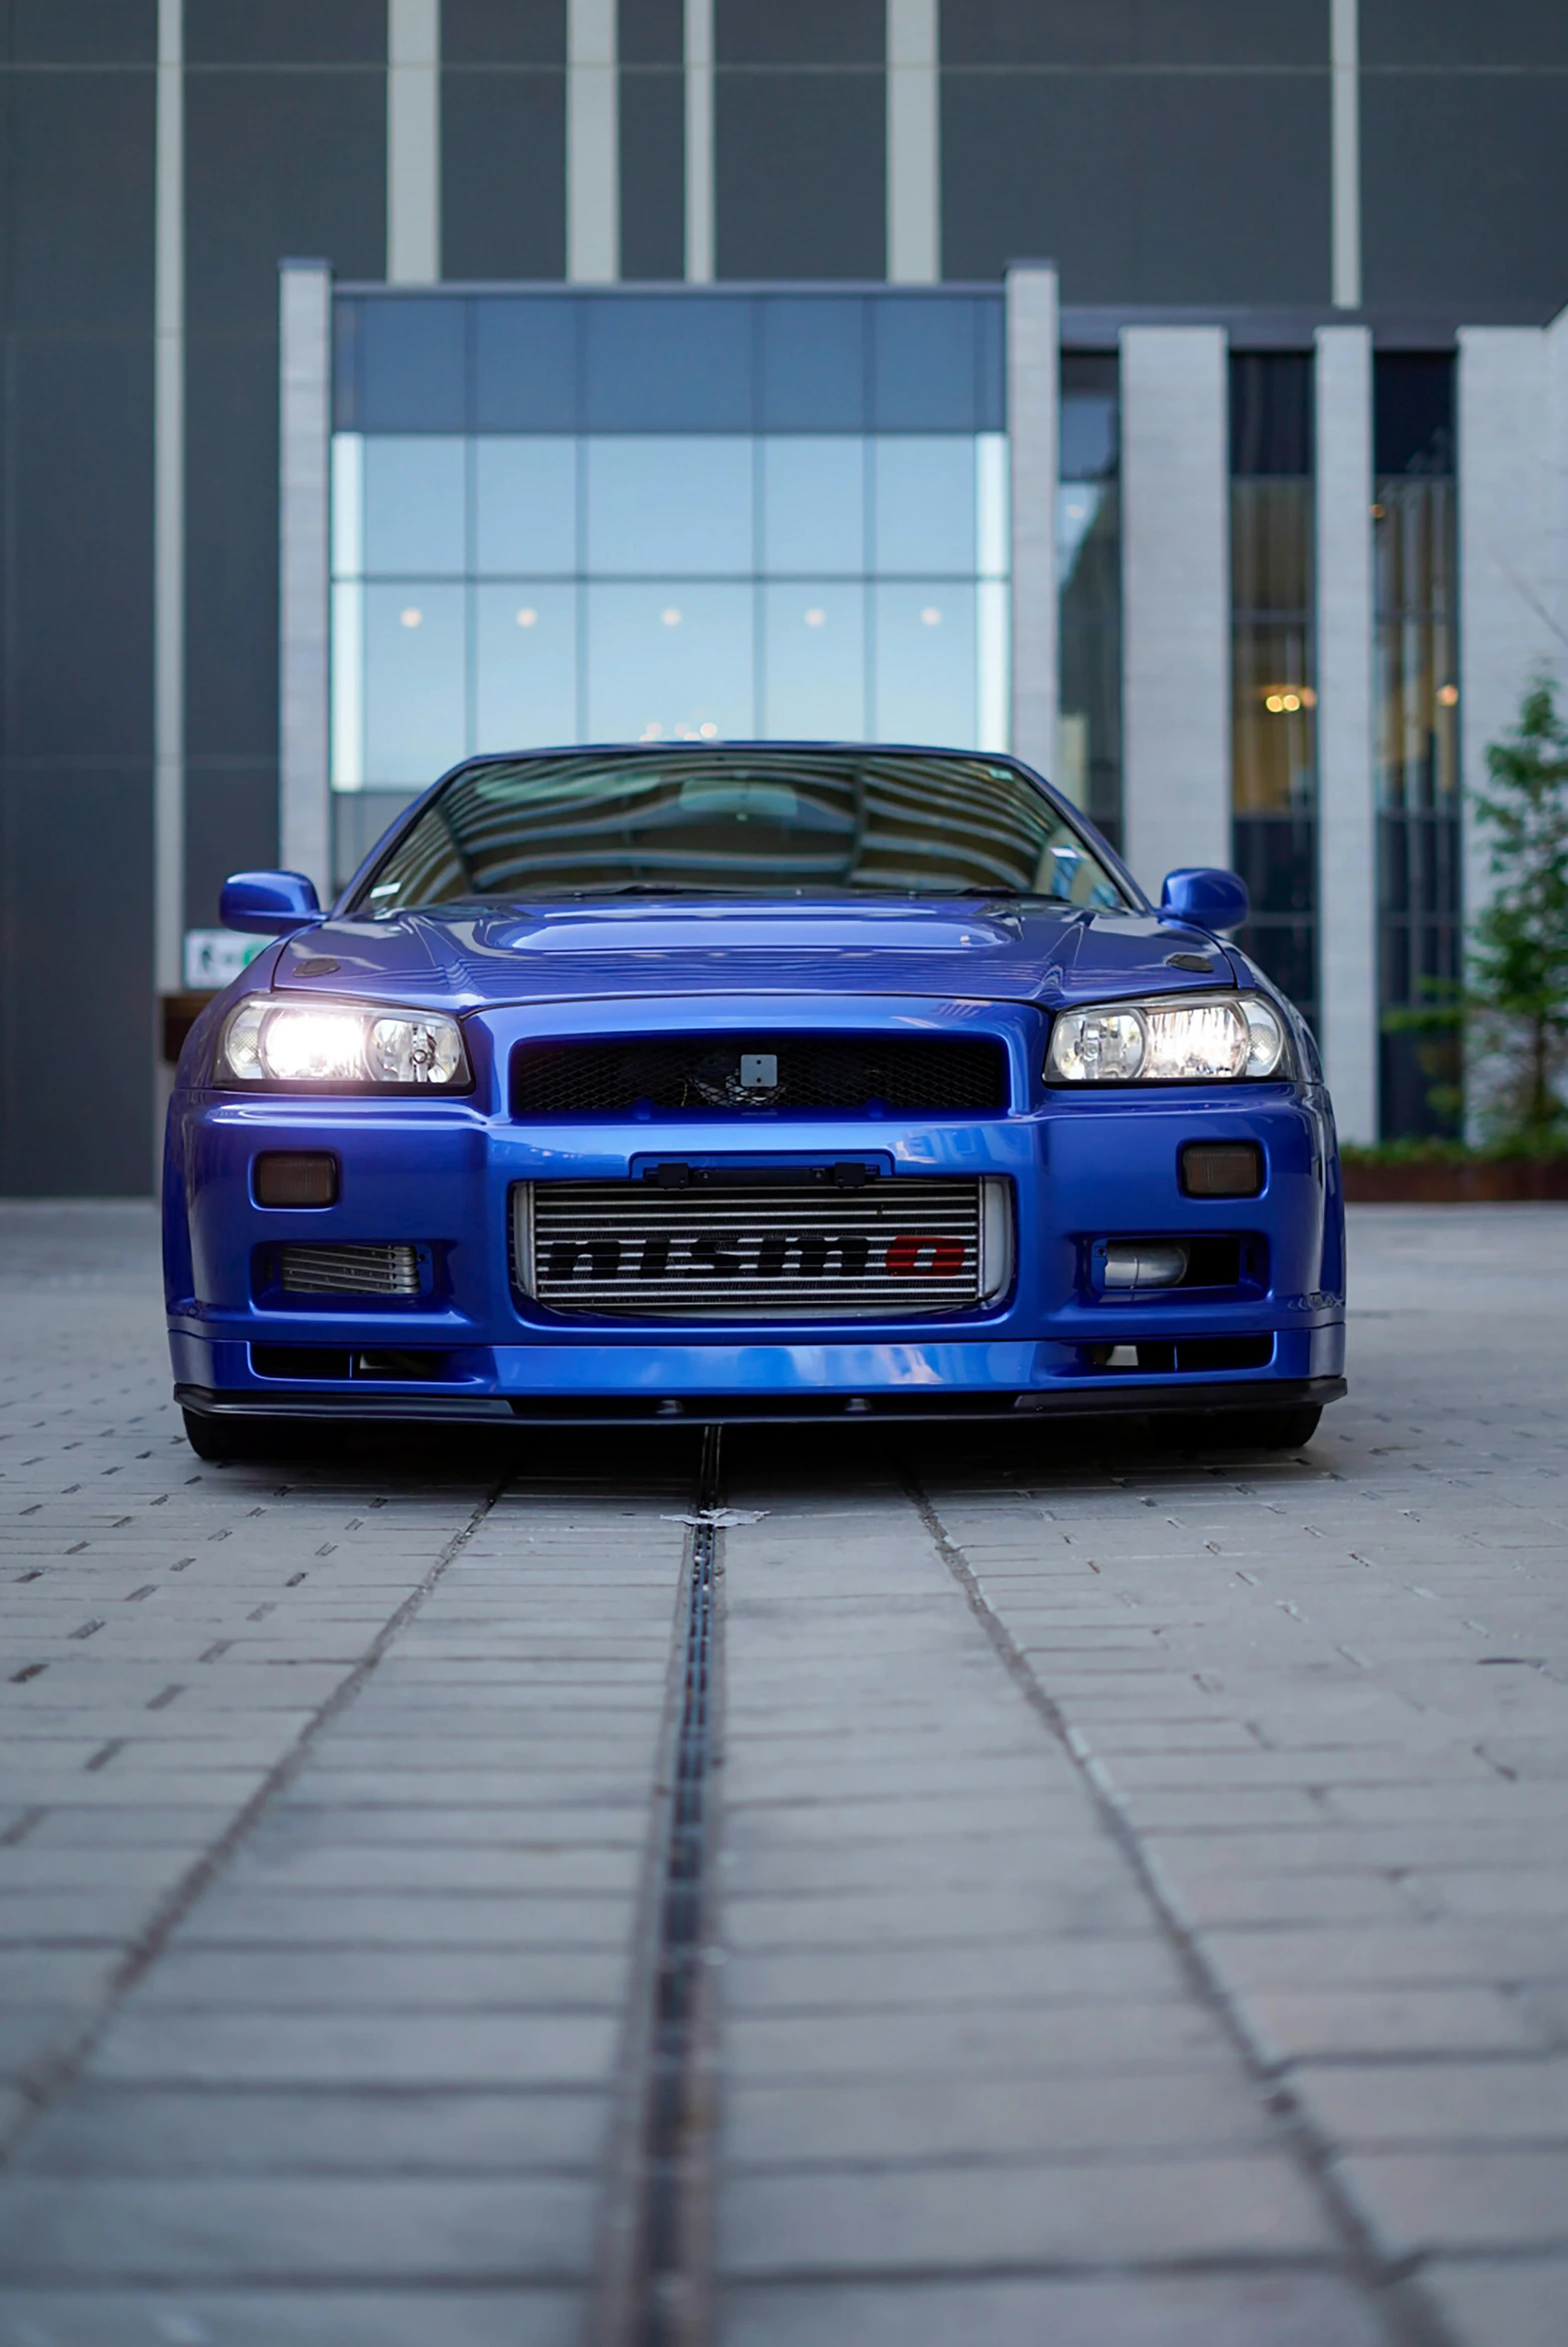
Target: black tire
(1244, 1429)
(1274, 1429)
(221, 1441)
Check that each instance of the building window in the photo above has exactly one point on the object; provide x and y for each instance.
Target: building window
(1273, 682)
(1415, 556)
(1088, 574)
(664, 517)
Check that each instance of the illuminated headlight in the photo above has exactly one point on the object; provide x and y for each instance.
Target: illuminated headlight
(1215, 1039)
(266, 1041)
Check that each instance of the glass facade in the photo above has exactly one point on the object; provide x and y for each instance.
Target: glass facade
(1273, 687)
(1088, 574)
(562, 519)
(1415, 558)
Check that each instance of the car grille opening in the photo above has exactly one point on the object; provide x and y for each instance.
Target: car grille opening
(763, 1250)
(354, 1270)
(708, 1072)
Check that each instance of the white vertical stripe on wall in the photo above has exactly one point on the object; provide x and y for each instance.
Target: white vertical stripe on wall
(592, 144)
(413, 141)
(169, 507)
(304, 440)
(1033, 373)
(1345, 136)
(1347, 819)
(1557, 492)
(699, 227)
(913, 144)
(1506, 483)
(1176, 597)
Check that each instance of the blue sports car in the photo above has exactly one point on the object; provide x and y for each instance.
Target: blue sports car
(679, 1082)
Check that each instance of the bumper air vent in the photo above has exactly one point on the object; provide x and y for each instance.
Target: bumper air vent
(349, 1271)
(761, 1251)
(847, 1075)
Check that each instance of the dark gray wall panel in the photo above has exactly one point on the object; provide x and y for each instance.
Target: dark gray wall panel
(804, 32)
(1135, 32)
(230, 824)
(77, 962)
(651, 32)
(1464, 189)
(231, 549)
(503, 32)
(1143, 188)
(79, 557)
(286, 32)
(800, 174)
(502, 174)
(277, 165)
(78, 32)
(653, 174)
(1428, 33)
(78, 178)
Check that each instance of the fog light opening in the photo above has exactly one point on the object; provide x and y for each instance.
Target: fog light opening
(1144, 1263)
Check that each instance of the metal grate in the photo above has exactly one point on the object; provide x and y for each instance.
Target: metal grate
(764, 1249)
(361, 1270)
(706, 1071)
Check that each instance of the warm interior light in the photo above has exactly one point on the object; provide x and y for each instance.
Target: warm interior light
(930, 617)
(1448, 694)
(411, 617)
(815, 617)
(670, 616)
(527, 617)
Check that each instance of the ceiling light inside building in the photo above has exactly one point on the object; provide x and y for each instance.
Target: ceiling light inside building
(411, 617)
(528, 616)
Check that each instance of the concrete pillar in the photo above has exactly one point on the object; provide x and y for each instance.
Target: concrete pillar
(169, 507)
(304, 424)
(593, 143)
(1347, 814)
(1507, 493)
(1344, 36)
(913, 144)
(1033, 380)
(1176, 597)
(413, 141)
(700, 224)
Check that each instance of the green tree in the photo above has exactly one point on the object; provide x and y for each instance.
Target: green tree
(1514, 1001)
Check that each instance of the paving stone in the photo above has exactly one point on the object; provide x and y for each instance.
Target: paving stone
(1300, 2309)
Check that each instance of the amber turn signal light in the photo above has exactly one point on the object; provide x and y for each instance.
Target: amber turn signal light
(1222, 1168)
(290, 1177)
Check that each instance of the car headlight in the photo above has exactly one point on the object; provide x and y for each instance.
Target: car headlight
(268, 1040)
(1213, 1039)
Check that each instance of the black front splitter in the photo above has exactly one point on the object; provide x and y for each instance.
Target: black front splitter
(1197, 1400)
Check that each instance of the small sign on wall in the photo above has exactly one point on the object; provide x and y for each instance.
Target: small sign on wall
(215, 956)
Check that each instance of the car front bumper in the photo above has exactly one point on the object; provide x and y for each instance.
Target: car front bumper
(442, 1174)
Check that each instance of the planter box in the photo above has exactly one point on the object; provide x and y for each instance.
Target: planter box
(1492, 1180)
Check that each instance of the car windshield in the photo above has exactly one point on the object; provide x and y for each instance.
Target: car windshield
(736, 822)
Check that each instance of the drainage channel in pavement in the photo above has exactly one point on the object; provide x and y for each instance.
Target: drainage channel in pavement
(656, 2262)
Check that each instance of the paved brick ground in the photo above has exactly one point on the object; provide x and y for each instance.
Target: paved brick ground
(1144, 1880)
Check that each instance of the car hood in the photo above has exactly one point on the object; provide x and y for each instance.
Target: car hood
(473, 956)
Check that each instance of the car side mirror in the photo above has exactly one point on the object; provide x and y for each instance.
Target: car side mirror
(268, 903)
(1206, 896)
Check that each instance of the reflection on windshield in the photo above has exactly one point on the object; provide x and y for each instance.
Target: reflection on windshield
(735, 822)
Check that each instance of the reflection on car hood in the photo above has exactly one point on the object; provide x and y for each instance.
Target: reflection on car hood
(531, 954)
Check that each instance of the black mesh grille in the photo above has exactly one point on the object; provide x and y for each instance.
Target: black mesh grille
(708, 1072)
